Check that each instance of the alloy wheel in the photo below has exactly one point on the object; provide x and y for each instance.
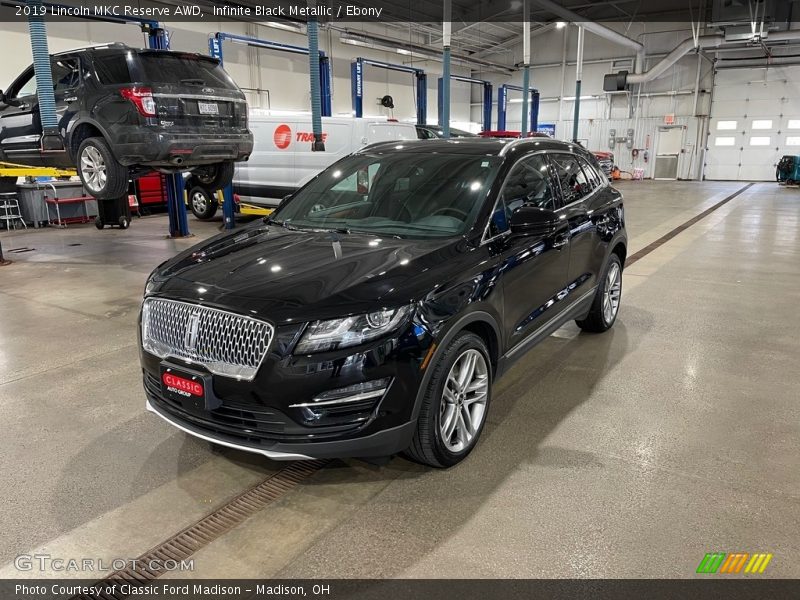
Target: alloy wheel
(612, 293)
(199, 202)
(463, 405)
(93, 169)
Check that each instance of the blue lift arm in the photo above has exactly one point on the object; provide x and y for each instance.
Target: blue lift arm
(487, 98)
(502, 106)
(215, 50)
(357, 85)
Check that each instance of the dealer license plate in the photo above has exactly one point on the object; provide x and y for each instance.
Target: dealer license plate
(185, 387)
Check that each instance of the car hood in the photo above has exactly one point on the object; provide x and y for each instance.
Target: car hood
(284, 274)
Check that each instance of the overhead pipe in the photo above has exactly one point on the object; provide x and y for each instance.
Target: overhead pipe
(446, 31)
(51, 139)
(526, 69)
(596, 28)
(704, 42)
(578, 77)
(422, 50)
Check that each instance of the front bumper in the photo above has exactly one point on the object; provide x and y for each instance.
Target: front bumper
(267, 415)
(383, 443)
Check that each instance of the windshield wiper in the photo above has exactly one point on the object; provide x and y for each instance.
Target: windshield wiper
(279, 223)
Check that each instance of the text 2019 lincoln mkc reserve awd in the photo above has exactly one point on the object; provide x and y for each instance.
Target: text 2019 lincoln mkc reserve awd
(371, 313)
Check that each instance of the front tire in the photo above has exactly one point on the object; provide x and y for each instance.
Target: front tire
(202, 205)
(101, 174)
(455, 404)
(605, 306)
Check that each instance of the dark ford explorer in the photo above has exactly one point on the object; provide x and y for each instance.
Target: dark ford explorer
(372, 311)
(123, 111)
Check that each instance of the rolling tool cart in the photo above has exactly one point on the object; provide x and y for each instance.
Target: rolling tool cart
(788, 170)
(114, 213)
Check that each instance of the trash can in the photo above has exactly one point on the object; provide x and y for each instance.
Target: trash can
(114, 213)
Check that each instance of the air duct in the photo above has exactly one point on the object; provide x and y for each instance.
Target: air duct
(595, 28)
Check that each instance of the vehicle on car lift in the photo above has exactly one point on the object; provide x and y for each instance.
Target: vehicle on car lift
(282, 160)
(788, 169)
(372, 312)
(124, 112)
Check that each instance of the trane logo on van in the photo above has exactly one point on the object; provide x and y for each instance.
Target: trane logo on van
(283, 136)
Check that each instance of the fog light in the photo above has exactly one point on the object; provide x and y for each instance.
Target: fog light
(346, 395)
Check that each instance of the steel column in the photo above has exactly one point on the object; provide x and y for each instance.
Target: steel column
(228, 207)
(578, 76)
(176, 206)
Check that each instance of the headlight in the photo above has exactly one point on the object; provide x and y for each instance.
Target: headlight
(151, 285)
(322, 336)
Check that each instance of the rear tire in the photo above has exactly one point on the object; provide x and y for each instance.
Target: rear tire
(455, 404)
(123, 223)
(98, 223)
(101, 174)
(202, 204)
(215, 177)
(607, 299)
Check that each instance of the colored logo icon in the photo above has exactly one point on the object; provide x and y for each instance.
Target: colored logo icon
(733, 563)
(282, 137)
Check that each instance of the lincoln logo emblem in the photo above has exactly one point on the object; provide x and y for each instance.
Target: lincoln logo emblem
(190, 337)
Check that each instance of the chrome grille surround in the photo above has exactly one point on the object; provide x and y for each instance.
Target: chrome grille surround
(225, 343)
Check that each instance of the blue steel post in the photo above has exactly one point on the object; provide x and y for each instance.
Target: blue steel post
(445, 119)
(535, 111)
(325, 84)
(439, 101)
(357, 86)
(502, 98)
(526, 84)
(215, 47)
(422, 97)
(228, 207)
(487, 106)
(156, 36)
(176, 206)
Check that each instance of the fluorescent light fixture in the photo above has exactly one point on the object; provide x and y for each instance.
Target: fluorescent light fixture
(294, 27)
(560, 24)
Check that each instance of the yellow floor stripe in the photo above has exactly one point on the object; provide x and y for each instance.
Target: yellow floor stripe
(753, 566)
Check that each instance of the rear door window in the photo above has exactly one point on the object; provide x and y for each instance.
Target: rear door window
(66, 74)
(112, 69)
(160, 67)
(575, 185)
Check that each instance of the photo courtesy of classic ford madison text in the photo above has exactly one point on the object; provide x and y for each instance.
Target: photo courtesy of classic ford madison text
(436, 299)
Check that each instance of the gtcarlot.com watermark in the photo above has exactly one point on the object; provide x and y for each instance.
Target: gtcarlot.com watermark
(49, 563)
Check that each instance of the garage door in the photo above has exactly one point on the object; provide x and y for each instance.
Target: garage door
(755, 119)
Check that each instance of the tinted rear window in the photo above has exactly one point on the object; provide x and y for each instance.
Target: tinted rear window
(172, 68)
(112, 69)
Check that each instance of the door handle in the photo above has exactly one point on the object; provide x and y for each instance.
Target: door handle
(561, 241)
(71, 99)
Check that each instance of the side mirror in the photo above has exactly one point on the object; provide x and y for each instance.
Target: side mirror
(529, 220)
(2, 98)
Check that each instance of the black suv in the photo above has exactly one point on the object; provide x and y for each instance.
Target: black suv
(124, 111)
(372, 311)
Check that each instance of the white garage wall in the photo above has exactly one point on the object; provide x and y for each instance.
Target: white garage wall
(282, 76)
(672, 93)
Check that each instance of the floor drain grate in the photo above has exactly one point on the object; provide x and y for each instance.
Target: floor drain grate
(184, 544)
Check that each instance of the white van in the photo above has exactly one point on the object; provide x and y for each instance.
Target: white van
(282, 159)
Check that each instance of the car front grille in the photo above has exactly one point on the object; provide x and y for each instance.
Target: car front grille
(225, 343)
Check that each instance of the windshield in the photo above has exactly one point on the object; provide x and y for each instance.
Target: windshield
(403, 194)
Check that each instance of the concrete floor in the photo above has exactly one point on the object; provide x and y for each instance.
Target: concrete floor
(629, 454)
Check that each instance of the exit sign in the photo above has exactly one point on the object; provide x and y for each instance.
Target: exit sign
(669, 119)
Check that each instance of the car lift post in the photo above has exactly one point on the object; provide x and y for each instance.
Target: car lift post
(228, 207)
(502, 107)
(357, 86)
(176, 206)
(215, 50)
(488, 92)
